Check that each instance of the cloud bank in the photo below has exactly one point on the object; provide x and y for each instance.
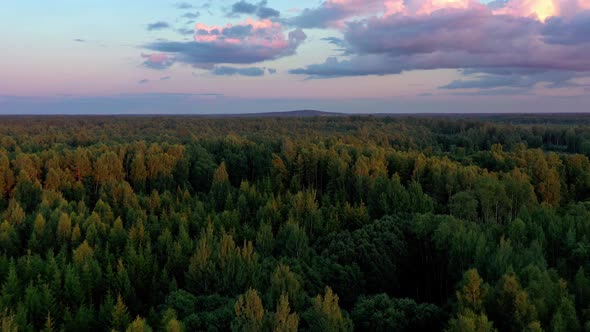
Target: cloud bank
(548, 38)
(503, 44)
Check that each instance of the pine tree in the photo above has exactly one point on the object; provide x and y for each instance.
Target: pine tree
(120, 318)
(11, 289)
(49, 324)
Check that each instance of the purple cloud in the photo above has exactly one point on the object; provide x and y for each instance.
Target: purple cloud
(568, 32)
(157, 61)
(232, 71)
(244, 43)
(475, 37)
(513, 78)
(259, 9)
(332, 13)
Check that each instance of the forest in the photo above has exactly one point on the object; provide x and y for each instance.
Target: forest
(344, 223)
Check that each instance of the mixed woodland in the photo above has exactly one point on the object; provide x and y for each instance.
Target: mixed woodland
(345, 223)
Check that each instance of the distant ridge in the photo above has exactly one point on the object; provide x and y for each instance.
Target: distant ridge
(287, 114)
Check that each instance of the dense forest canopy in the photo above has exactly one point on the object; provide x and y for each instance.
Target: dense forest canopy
(429, 223)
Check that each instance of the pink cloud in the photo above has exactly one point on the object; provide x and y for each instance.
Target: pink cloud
(428, 7)
(336, 13)
(543, 9)
(157, 60)
(522, 38)
(265, 33)
(247, 42)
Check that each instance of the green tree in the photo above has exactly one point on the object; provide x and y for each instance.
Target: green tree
(49, 324)
(382, 313)
(108, 167)
(64, 228)
(120, 318)
(220, 187)
(472, 293)
(565, 318)
(464, 206)
(470, 322)
(249, 312)
(7, 322)
(326, 315)
(513, 309)
(170, 321)
(138, 173)
(138, 325)
(286, 282)
(284, 320)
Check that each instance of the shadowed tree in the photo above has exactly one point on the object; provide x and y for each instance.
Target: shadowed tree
(284, 320)
(249, 313)
(326, 315)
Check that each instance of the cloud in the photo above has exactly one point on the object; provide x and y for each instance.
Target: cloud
(333, 13)
(78, 40)
(494, 92)
(192, 16)
(260, 9)
(568, 32)
(183, 5)
(422, 35)
(231, 71)
(243, 7)
(335, 41)
(158, 26)
(320, 17)
(266, 12)
(497, 4)
(144, 81)
(165, 78)
(157, 61)
(361, 65)
(338, 42)
(515, 78)
(186, 31)
(247, 42)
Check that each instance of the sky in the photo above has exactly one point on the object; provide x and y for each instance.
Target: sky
(354, 56)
